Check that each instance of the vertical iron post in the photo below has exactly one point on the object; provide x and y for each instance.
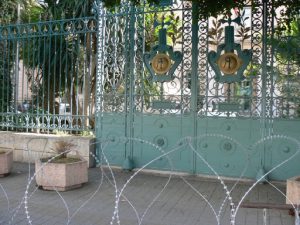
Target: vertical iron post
(17, 60)
(194, 75)
(128, 163)
(263, 124)
(100, 15)
(264, 67)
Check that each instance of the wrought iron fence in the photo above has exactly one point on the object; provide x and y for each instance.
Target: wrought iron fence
(268, 91)
(48, 69)
(47, 75)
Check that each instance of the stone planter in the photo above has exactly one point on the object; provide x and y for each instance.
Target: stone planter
(6, 161)
(293, 190)
(29, 147)
(61, 176)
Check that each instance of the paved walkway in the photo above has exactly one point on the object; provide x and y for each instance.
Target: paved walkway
(187, 201)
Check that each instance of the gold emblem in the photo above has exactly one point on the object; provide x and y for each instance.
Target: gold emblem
(161, 63)
(229, 63)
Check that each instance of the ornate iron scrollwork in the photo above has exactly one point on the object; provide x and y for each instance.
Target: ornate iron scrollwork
(162, 61)
(229, 62)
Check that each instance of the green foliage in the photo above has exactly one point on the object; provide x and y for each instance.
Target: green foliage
(30, 10)
(207, 7)
(216, 31)
(69, 8)
(57, 58)
(110, 4)
(287, 48)
(54, 59)
(214, 8)
(288, 43)
(253, 70)
(8, 11)
(215, 34)
(290, 13)
(32, 13)
(243, 33)
(6, 67)
(174, 29)
(87, 133)
(5, 87)
(9, 14)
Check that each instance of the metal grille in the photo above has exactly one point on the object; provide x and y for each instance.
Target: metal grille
(50, 69)
(62, 75)
(263, 94)
(135, 105)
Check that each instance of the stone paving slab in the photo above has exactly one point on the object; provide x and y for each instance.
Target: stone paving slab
(187, 201)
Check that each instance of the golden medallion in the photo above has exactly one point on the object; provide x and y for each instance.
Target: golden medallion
(229, 63)
(161, 63)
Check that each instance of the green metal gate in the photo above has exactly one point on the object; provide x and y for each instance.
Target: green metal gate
(188, 121)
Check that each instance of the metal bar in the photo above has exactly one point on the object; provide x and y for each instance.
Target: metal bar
(24, 81)
(264, 80)
(85, 71)
(66, 81)
(49, 82)
(15, 75)
(76, 79)
(6, 66)
(99, 75)
(38, 81)
(60, 76)
(194, 76)
(132, 79)
(54, 76)
(2, 110)
(72, 75)
(32, 70)
(272, 85)
(44, 80)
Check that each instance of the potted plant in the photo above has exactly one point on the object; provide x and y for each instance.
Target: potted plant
(6, 161)
(61, 172)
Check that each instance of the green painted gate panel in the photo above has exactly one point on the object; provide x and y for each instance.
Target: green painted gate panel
(231, 147)
(224, 144)
(157, 138)
(165, 133)
(188, 121)
(283, 147)
(237, 148)
(113, 130)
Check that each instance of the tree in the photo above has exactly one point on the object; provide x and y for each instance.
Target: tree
(8, 13)
(77, 9)
(5, 79)
(223, 7)
(57, 58)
